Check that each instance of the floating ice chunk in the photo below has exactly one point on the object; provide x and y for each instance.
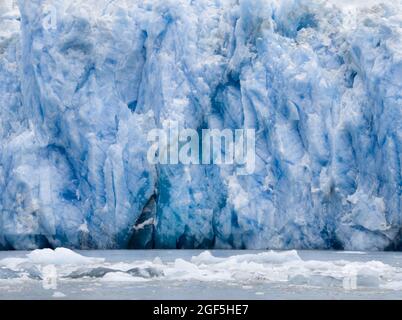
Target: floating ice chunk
(58, 294)
(206, 257)
(349, 282)
(99, 272)
(368, 280)
(121, 277)
(31, 271)
(183, 269)
(316, 280)
(269, 257)
(91, 273)
(263, 257)
(12, 262)
(145, 272)
(6, 273)
(16, 268)
(392, 285)
(49, 274)
(60, 256)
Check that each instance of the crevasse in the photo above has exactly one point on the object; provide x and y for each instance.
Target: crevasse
(83, 82)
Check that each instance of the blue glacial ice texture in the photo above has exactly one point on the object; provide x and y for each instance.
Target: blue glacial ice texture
(321, 83)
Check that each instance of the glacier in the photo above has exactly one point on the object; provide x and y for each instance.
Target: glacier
(83, 82)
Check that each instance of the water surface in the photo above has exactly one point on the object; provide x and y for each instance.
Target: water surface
(193, 274)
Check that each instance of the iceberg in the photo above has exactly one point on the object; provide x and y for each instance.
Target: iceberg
(83, 82)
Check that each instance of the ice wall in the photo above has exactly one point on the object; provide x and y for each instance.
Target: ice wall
(83, 82)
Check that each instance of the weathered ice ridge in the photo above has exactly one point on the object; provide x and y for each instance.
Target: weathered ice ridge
(83, 82)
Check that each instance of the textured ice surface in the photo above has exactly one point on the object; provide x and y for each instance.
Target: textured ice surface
(196, 274)
(83, 82)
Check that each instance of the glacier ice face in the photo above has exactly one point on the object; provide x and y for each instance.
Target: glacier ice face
(83, 82)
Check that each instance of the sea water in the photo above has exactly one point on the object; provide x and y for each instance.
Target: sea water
(193, 274)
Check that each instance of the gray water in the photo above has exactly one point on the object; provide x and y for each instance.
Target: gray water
(192, 274)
